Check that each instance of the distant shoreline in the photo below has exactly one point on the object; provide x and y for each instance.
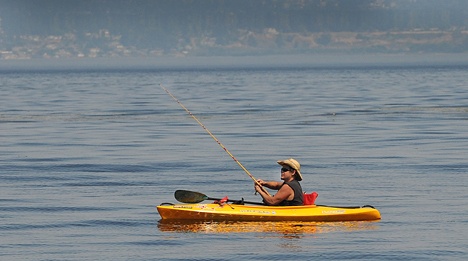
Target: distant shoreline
(235, 62)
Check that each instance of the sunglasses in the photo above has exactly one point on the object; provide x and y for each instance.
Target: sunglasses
(283, 169)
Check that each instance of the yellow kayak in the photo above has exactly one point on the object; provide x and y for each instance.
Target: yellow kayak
(239, 212)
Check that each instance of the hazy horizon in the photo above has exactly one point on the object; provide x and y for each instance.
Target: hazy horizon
(230, 62)
(153, 28)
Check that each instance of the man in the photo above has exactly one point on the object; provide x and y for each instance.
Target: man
(289, 191)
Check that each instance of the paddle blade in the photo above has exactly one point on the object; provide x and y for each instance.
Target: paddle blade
(186, 196)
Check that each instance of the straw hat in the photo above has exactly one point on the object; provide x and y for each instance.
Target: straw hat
(293, 164)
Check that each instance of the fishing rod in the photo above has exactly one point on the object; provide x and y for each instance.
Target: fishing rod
(213, 136)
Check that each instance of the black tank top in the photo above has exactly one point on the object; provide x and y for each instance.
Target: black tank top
(298, 199)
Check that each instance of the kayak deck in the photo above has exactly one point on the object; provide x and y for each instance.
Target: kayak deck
(236, 212)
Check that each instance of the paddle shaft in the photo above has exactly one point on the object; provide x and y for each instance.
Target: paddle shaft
(238, 201)
(186, 196)
(217, 141)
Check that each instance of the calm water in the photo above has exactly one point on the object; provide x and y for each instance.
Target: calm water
(87, 155)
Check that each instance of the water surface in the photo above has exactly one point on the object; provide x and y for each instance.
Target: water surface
(87, 155)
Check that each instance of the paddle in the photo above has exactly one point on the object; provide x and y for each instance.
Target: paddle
(186, 196)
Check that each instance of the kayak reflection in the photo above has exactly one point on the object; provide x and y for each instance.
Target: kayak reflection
(287, 228)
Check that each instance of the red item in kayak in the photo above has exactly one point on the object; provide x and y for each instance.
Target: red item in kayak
(309, 199)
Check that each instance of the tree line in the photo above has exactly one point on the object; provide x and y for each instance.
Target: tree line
(145, 23)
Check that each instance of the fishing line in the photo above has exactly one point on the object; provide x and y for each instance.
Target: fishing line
(213, 136)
